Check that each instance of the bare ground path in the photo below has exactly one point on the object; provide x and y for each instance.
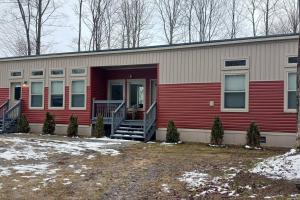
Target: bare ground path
(47, 167)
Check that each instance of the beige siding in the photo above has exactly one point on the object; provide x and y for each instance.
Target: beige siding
(195, 64)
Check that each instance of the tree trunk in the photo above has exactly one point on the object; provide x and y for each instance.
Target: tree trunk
(79, 31)
(298, 95)
(267, 17)
(39, 28)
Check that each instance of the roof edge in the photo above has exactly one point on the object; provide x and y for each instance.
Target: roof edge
(157, 47)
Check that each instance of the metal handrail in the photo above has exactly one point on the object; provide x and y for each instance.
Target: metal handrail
(118, 116)
(12, 114)
(149, 119)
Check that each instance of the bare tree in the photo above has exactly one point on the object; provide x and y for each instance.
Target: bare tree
(25, 8)
(134, 18)
(254, 18)
(268, 8)
(171, 14)
(110, 21)
(189, 4)
(79, 25)
(208, 18)
(291, 10)
(97, 10)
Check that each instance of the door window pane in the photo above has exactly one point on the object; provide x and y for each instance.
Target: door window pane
(17, 93)
(136, 95)
(116, 92)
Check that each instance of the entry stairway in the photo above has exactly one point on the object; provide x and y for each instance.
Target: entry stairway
(9, 115)
(130, 129)
(114, 114)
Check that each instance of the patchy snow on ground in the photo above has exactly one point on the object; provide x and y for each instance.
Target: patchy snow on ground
(29, 156)
(38, 149)
(285, 166)
(165, 188)
(207, 184)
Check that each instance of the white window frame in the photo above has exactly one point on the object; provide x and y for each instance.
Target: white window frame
(150, 91)
(49, 94)
(76, 75)
(240, 72)
(57, 76)
(85, 94)
(115, 82)
(37, 76)
(43, 90)
(286, 109)
(243, 67)
(290, 64)
(16, 77)
(136, 81)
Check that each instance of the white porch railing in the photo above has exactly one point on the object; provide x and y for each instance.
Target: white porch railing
(104, 108)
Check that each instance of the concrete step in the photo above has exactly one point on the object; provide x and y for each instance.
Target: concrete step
(124, 132)
(128, 128)
(127, 136)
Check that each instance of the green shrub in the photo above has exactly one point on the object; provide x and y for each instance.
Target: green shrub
(22, 124)
(73, 126)
(99, 127)
(49, 124)
(253, 135)
(173, 135)
(217, 132)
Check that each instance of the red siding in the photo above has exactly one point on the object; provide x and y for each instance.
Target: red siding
(4, 95)
(188, 106)
(61, 116)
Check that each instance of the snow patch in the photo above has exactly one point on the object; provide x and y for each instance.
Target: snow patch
(285, 166)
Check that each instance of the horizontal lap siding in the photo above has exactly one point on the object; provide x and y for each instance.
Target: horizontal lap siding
(61, 116)
(188, 106)
(4, 95)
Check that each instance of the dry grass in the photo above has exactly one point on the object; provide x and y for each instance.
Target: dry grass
(140, 171)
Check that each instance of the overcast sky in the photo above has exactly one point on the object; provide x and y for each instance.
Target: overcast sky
(65, 32)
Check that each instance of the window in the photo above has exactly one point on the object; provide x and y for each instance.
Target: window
(291, 91)
(236, 63)
(153, 90)
(136, 94)
(78, 72)
(57, 73)
(36, 94)
(116, 90)
(235, 92)
(292, 60)
(78, 94)
(37, 73)
(57, 94)
(16, 74)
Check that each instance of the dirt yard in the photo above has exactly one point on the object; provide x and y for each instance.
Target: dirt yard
(52, 167)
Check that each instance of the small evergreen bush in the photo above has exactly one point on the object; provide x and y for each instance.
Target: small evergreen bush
(73, 126)
(173, 135)
(49, 124)
(253, 136)
(217, 132)
(99, 127)
(22, 124)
